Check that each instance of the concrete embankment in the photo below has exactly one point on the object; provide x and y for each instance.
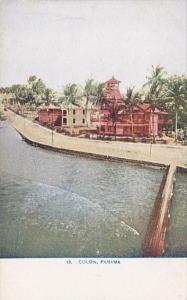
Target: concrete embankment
(135, 152)
(156, 231)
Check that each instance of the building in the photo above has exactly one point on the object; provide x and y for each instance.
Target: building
(66, 117)
(114, 117)
(50, 116)
(111, 93)
(75, 116)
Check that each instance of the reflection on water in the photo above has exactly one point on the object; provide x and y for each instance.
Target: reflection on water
(56, 205)
(176, 239)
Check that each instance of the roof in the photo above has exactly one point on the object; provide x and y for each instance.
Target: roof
(147, 107)
(113, 80)
(45, 107)
(112, 94)
(63, 106)
(117, 94)
(51, 106)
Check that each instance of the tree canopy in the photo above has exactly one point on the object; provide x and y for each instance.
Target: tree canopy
(132, 97)
(161, 90)
(154, 86)
(70, 94)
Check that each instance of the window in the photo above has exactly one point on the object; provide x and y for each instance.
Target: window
(64, 112)
(83, 121)
(83, 111)
(73, 111)
(73, 121)
(64, 121)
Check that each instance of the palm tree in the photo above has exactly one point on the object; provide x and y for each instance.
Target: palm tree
(92, 92)
(114, 109)
(153, 90)
(71, 97)
(89, 93)
(20, 93)
(98, 93)
(48, 96)
(132, 98)
(70, 94)
(36, 88)
(175, 95)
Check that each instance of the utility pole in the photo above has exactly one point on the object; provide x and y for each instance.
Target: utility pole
(52, 127)
(151, 148)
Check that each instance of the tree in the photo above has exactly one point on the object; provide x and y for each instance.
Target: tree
(36, 90)
(132, 98)
(32, 79)
(89, 93)
(70, 97)
(175, 97)
(154, 90)
(114, 109)
(92, 92)
(48, 96)
(19, 91)
(98, 93)
(70, 94)
(3, 90)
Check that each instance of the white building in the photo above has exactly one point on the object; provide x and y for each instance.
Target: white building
(75, 116)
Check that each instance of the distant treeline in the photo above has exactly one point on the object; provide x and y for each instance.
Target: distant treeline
(162, 91)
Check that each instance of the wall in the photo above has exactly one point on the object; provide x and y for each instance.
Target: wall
(75, 117)
(50, 116)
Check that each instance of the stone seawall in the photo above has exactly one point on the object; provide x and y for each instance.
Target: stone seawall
(136, 152)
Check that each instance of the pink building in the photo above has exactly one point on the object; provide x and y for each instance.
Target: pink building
(114, 117)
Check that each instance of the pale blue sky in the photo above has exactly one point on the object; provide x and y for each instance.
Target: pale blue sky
(70, 41)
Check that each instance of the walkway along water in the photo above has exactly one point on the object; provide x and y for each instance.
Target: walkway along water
(155, 237)
(162, 155)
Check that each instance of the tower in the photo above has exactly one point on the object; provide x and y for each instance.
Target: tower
(111, 91)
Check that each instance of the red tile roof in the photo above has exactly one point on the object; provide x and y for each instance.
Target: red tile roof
(113, 80)
(117, 95)
(112, 94)
(147, 107)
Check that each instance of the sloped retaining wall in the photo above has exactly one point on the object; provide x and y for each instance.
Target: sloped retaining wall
(92, 155)
(181, 169)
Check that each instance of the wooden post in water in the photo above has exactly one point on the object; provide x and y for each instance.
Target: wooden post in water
(156, 231)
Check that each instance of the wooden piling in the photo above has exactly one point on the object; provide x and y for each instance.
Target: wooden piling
(154, 241)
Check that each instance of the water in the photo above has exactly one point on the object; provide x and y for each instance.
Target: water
(56, 205)
(176, 239)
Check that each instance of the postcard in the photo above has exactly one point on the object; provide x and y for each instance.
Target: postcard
(93, 150)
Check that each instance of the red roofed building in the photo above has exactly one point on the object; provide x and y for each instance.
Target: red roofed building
(114, 117)
(111, 92)
(50, 115)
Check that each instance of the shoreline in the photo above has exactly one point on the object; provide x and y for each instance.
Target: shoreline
(93, 155)
(143, 154)
(153, 244)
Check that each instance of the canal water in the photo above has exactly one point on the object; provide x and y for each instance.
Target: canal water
(56, 205)
(176, 239)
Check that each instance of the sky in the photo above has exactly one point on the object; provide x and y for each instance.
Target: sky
(70, 41)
